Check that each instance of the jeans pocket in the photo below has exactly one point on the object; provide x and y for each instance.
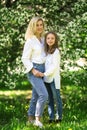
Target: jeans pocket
(35, 66)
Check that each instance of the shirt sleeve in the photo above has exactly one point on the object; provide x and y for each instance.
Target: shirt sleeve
(55, 64)
(26, 56)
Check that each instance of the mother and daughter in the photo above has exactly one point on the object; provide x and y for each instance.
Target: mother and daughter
(41, 58)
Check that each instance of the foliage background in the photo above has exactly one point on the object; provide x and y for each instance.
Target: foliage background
(67, 17)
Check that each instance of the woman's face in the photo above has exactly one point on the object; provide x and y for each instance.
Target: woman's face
(50, 39)
(39, 27)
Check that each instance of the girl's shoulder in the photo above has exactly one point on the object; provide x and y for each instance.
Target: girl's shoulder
(56, 50)
(56, 53)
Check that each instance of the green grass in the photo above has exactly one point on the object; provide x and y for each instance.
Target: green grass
(14, 106)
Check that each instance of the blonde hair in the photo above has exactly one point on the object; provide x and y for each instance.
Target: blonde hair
(31, 29)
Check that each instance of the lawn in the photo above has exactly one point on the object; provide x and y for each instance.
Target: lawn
(14, 106)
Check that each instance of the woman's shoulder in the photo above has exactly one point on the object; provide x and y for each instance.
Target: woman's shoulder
(30, 39)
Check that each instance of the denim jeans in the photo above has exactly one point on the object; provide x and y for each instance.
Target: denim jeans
(54, 96)
(39, 92)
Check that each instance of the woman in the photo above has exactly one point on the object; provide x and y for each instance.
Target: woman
(33, 59)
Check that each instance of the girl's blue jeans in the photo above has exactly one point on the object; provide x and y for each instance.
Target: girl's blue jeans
(54, 96)
(39, 92)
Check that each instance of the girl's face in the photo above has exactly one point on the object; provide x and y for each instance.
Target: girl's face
(39, 27)
(50, 39)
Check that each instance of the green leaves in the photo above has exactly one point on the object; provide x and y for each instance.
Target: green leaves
(67, 18)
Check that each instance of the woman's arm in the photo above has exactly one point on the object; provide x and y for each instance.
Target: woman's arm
(27, 52)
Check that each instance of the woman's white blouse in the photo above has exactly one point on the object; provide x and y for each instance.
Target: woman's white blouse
(33, 53)
(52, 68)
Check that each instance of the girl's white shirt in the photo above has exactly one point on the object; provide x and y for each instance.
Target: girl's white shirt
(33, 52)
(52, 68)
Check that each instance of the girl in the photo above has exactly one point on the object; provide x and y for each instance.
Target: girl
(33, 59)
(52, 76)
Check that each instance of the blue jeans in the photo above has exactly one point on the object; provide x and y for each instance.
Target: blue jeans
(39, 92)
(54, 96)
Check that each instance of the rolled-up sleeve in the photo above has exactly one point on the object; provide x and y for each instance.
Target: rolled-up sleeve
(26, 56)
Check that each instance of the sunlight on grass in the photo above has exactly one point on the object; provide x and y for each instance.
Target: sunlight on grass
(15, 93)
(14, 106)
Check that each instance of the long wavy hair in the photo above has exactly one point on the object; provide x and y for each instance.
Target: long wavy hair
(54, 46)
(31, 29)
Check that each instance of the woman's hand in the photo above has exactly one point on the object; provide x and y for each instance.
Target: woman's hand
(41, 74)
(37, 73)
